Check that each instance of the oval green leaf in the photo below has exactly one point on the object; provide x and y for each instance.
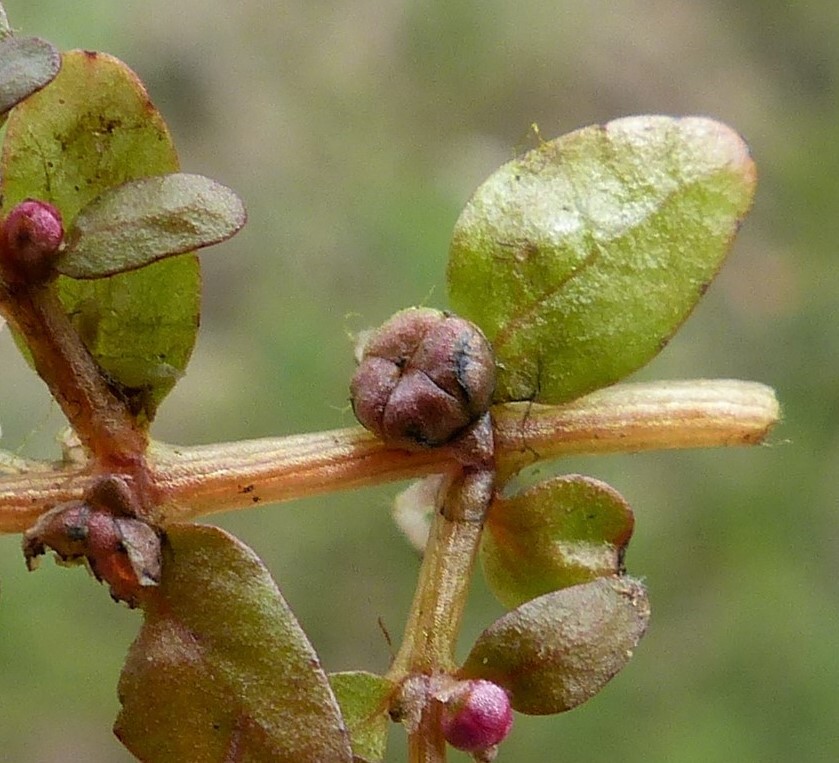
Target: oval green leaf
(582, 257)
(555, 652)
(364, 699)
(221, 670)
(26, 65)
(557, 534)
(92, 128)
(146, 220)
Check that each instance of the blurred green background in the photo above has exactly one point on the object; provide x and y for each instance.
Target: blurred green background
(355, 131)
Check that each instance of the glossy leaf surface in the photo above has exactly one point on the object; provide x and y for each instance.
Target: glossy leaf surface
(93, 128)
(221, 670)
(363, 698)
(582, 257)
(142, 221)
(555, 652)
(559, 533)
(26, 65)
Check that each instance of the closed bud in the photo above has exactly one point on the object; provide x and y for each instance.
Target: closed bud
(476, 716)
(423, 377)
(30, 239)
(121, 551)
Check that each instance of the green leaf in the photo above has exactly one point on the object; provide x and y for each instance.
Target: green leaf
(581, 258)
(145, 220)
(555, 652)
(221, 670)
(557, 534)
(26, 65)
(93, 128)
(364, 701)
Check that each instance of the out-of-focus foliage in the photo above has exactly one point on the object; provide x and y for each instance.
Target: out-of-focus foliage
(355, 132)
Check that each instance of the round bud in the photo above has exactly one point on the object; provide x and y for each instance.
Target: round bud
(121, 551)
(423, 377)
(476, 716)
(30, 239)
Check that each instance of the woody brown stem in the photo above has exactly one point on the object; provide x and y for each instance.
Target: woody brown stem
(100, 418)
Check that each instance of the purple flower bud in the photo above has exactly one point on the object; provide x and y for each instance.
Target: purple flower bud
(423, 377)
(30, 239)
(476, 716)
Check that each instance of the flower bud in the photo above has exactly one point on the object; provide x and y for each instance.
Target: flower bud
(121, 551)
(476, 716)
(423, 377)
(30, 239)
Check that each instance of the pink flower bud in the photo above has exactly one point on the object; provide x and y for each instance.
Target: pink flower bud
(477, 716)
(30, 239)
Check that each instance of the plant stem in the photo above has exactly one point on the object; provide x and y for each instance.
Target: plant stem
(101, 420)
(426, 743)
(445, 575)
(200, 480)
(433, 625)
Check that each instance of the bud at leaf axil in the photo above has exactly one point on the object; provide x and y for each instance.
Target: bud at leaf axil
(423, 377)
(30, 238)
(477, 716)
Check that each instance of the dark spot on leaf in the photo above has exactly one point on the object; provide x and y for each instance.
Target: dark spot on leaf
(526, 251)
(256, 499)
(91, 54)
(247, 488)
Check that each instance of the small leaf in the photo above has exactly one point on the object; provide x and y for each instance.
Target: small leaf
(93, 128)
(557, 534)
(26, 65)
(145, 220)
(581, 258)
(221, 669)
(555, 652)
(364, 701)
